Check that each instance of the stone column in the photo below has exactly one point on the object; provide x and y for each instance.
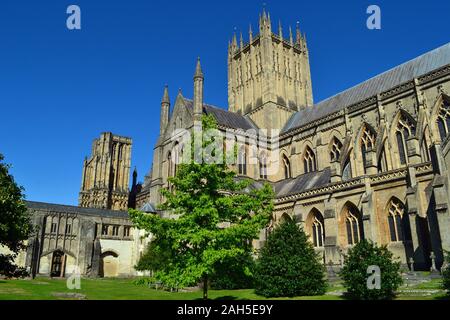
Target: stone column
(331, 244)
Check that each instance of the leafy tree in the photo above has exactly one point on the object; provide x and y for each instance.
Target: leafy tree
(288, 266)
(232, 274)
(355, 272)
(15, 222)
(215, 218)
(157, 254)
(446, 273)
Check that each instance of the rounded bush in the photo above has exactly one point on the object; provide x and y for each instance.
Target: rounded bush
(288, 266)
(358, 272)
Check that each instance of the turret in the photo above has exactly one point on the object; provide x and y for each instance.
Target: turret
(165, 106)
(198, 92)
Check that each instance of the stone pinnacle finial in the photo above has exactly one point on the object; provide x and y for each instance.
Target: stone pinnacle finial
(298, 33)
(198, 70)
(280, 29)
(165, 98)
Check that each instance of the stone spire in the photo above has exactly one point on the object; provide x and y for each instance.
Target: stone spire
(165, 106)
(241, 42)
(250, 33)
(280, 30)
(198, 92)
(298, 34)
(291, 38)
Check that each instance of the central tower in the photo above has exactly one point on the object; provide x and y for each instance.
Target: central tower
(269, 77)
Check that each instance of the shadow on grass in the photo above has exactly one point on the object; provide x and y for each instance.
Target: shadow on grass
(447, 297)
(219, 298)
(2, 281)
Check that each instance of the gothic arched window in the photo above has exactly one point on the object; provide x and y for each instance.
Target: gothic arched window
(367, 143)
(443, 120)
(286, 167)
(424, 150)
(405, 129)
(399, 229)
(347, 170)
(317, 229)
(382, 163)
(242, 161)
(335, 149)
(169, 165)
(309, 160)
(353, 225)
(263, 166)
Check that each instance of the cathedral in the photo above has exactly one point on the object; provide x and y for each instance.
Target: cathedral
(368, 163)
(371, 162)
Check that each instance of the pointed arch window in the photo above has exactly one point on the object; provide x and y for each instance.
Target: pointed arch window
(242, 161)
(354, 226)
(309, 160)
(382, 163)
(317, 230)
(286, 167)
(347, 170)
(335, 149)
(263, 166)
(367, 143)
(405, 129)
(443, 120)
(424, 149)
(399, 229)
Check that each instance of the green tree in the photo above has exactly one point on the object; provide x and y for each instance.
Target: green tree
(215, 218)
(288, 266)
(15, 222)
(356, 272)
(446, 273)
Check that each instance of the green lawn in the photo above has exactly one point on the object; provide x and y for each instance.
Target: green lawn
(125, 289)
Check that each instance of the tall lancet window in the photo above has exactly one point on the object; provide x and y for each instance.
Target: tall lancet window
(263, 166)
(399, 228)
(443, 120)
(354, 225)
(242, 161)
(367, 143)
(405, 129)
(309, 160)
(335, 149)
(317, 229)
(286, 167)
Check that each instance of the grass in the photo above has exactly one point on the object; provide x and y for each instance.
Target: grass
(125, 289)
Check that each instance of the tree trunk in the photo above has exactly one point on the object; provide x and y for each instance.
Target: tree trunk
(205, 287)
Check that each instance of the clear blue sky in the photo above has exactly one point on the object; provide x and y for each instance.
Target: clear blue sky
(59, 89)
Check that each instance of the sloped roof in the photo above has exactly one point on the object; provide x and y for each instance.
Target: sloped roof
(74, 209)
(405, 72)
(148, 208)
(302, 183)
(224, 117)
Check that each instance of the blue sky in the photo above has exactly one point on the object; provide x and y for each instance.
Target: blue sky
(59, 89)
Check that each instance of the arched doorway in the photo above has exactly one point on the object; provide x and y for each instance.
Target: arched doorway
(58, 264)
(109, 264)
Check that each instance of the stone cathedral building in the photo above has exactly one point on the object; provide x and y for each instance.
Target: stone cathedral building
(370, 162)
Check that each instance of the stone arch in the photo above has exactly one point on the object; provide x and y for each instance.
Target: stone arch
(335, 148)
(365, 141)
(403, 127)
(440, 118)
(315, 227)
(109, 264)
(350, 225)
(309, 159)
(285, 164)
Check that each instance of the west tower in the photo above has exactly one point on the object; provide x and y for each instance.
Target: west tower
(106, 173)
(269, 76)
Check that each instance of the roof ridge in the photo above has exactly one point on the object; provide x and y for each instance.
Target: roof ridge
(385, 72)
